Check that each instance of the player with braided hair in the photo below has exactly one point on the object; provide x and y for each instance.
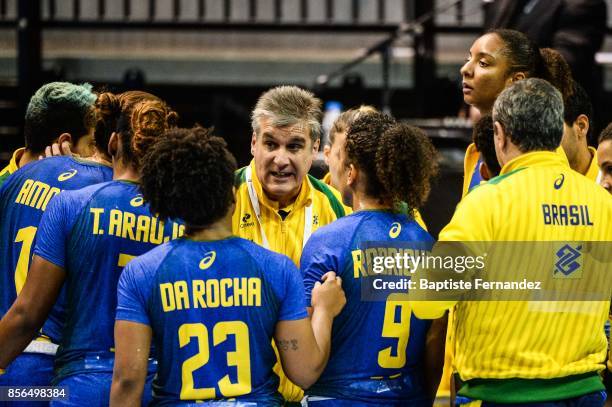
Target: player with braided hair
(379, 351)
(85, 239)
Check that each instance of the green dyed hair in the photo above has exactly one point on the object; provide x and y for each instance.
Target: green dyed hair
(56, 108)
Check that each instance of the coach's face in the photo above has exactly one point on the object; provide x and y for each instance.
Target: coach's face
(283, 156)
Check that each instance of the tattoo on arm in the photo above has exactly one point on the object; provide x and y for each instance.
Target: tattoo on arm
(287, 344)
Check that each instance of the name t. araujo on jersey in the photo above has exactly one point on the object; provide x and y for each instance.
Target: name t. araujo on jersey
(92, 234)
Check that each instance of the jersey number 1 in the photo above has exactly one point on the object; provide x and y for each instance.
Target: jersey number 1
(26, 237)
(241, 358)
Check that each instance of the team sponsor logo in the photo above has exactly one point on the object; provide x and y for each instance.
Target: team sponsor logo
(559, 181)
(66, 175)
(246, 221)
(208, 260)
(395, 230)
(137, 201)
(315, 220)
(569, 262)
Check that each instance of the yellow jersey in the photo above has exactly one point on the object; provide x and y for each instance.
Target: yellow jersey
(510, 339)
(316, 205)
(471, 170)
(12, 165)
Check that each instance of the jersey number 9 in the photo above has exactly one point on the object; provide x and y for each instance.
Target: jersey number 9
(392, 328)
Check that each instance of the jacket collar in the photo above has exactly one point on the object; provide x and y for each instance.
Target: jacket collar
(535, 159)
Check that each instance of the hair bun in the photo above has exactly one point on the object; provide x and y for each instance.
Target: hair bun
(559, 71)
(108, 104)
(148, 121)
(172, 119)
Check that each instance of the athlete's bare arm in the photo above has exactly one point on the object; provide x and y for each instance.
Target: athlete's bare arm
(304, 344)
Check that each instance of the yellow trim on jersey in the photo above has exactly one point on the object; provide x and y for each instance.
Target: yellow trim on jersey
(516, 340)
(13, 163)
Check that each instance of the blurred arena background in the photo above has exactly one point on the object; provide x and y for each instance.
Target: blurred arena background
(211, 59)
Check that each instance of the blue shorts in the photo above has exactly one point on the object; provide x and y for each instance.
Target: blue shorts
(88, 382)
(596, 399)
(93, 389)
(28, 369)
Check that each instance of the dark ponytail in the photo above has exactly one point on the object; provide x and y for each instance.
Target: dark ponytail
(524, 56)
(556, 70)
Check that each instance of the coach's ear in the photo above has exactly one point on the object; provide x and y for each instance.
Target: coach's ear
(253, 143)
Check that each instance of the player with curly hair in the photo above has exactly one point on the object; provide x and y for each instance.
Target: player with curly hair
(380, 356)
(189, 295)
(85, 239)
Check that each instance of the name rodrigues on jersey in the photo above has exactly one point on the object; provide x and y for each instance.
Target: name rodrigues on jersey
(127, 225)
(566, 215)
(364, 261)
(36, 194)
(211, 293)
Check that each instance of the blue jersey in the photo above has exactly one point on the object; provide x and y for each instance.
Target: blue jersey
(92, 234)
(377, 347)
(24, 197)
(213, 307)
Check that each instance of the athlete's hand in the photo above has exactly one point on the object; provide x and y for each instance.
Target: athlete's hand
(56, 149)
(329, 295)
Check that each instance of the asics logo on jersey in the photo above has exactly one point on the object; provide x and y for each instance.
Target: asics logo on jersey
(568, 260)
(559, 181)
(137, 201)
(395, 230)
(208, 260)
(66, 175)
